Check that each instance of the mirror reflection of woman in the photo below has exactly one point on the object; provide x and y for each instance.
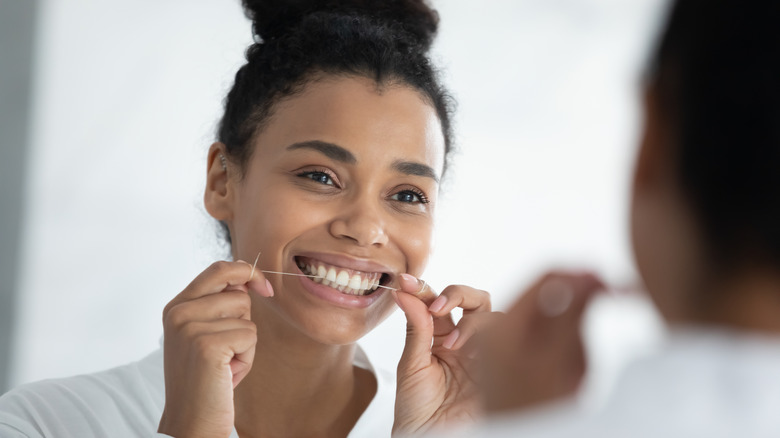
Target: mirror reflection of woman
(334, 139)
(706, 241)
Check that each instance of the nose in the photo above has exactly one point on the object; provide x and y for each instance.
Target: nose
(361, 222)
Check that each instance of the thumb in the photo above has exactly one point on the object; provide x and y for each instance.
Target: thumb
(419, 332)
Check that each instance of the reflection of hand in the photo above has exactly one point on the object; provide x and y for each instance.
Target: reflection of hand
(535, 354)
(209, 347)
(435, 379)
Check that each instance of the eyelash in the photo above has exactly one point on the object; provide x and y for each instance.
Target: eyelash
(419, 194)
(308, 174)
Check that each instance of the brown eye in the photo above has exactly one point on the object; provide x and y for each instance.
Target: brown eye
(320, 177)
(409, 197)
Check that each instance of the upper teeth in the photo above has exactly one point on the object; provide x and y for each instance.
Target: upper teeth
(357, 283)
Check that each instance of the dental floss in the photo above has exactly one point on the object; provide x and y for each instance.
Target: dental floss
(252, 274)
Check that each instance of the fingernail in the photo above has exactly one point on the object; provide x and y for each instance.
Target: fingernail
(555, 297)
(450, 340)
(408, 277)
(270, 288)
(438, 304)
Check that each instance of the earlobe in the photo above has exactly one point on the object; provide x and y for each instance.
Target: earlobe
(218, 197)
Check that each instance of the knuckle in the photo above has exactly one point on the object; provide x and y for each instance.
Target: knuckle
(239, 303)
(250, 332)
(244, 301)
(175, 317)
(485, 298)
(220, 267)
(249, 325)
(453, 290)
(166, 311)
(189, 330)
(204, 345)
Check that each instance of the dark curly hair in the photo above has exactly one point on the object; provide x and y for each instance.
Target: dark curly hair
(298, 41)
(717, 76)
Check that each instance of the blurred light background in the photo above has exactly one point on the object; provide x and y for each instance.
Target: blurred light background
(108, 109)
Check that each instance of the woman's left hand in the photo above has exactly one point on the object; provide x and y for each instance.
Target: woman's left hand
(436, 380)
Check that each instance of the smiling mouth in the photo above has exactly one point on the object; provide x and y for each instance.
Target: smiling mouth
(347, 281)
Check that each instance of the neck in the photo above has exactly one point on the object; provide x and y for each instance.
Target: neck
(298, 386)
(749, 300)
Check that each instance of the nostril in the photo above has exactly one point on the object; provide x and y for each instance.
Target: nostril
(361, 229)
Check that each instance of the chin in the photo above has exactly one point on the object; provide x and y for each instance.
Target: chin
(327, 324)
(339, 331)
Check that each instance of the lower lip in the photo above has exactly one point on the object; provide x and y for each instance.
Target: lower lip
(331, 295)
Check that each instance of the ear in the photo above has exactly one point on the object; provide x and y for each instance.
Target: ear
(219, 194)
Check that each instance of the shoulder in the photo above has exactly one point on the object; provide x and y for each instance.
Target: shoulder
(122, 401)
(702, 383)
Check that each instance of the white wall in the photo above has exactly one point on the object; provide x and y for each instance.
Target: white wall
(127, 95)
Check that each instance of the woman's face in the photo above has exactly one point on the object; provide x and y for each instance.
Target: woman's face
(342, 182)
(665, 238)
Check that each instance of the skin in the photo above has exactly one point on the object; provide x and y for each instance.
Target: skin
(348, 172)
(530, 358)
(437, 385)
(665, 237)
(670, 250)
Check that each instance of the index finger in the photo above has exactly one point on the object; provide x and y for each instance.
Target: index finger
(418, 288)
(554, 294)
(224, 275)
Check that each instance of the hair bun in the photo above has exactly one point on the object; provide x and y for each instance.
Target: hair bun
(272, 19)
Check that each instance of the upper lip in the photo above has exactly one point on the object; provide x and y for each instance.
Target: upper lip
(348, 262)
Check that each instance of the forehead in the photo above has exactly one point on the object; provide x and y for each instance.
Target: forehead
(388, 122)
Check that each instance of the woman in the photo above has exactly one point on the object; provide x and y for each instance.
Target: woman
(325, 176)
(705, 214)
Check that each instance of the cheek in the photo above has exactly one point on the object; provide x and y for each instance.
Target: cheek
(283, 218)
(663, 256)
(416, 243)
(267, 220)
(645, 239)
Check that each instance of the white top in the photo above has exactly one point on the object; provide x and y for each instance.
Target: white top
(128, 401)
(702, 383)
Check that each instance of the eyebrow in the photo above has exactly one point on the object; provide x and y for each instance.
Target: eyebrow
(330, 150)
(338, 153)
(417, 169)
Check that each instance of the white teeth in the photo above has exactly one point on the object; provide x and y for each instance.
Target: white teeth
(354, 282)
(331, 275)
(342, 279)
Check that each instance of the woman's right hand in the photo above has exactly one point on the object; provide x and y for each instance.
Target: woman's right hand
(535, 354)
(209, 347)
